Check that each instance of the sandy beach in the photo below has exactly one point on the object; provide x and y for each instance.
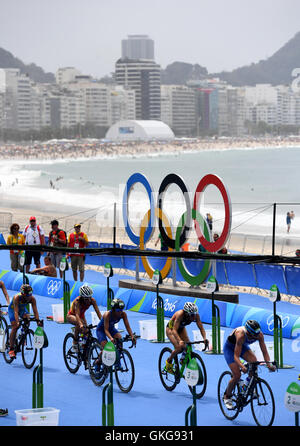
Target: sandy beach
(68, 149)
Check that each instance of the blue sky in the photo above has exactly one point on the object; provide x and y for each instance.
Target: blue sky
(220, 35)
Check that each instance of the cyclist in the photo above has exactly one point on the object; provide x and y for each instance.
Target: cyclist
(177, 333)
(238, 345)
(4, 291)
(76, 314)
(18, 308)
(106, 328)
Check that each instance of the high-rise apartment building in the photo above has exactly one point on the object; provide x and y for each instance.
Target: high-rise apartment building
(142, 76)
(179, 109)
(16, 88)
(138, 47)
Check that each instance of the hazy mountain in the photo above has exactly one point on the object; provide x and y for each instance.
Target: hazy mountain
(37, 74)
(178, 73)
(275, 70)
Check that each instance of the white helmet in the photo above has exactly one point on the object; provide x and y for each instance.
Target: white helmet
(85, 291)
(190, 308)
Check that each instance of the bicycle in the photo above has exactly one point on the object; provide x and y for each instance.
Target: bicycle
(23, 343)
(74, 357)
(171, 379)
(258, 394)
(123, 368)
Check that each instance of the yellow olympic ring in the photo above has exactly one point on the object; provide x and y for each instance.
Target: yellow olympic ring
(148, 268)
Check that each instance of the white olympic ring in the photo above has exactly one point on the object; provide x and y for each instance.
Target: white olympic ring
(53, 286)
(270, 321)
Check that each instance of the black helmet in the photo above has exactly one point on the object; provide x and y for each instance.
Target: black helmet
(26, 290)
(117, 304)
(252, 327)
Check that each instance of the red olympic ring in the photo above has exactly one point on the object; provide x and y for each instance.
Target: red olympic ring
(202, 185)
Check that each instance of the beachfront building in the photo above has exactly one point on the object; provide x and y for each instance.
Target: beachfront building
(178, 109)
(142, 76)
(16, 88)
(138, 46)
(122, 104)
(66, 74)
(139, 131)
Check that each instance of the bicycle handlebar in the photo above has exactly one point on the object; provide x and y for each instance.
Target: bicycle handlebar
(127, 338)
(200, 342)
(3, 306)
(254, 364)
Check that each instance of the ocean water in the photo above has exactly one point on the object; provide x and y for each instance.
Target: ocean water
(254, 178)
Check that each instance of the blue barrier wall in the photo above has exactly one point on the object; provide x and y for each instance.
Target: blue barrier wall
(232, 315)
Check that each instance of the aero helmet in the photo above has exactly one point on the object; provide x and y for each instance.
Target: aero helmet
(26, 290)
(190, 308)
(85, 291)
(252, 327)
(117, 304)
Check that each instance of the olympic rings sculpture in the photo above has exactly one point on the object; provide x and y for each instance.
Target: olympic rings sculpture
(184, 225)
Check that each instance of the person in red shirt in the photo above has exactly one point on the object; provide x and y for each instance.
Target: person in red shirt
(57, 237)
(78, 239)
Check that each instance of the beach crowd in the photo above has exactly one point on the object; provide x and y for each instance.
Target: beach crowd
(61, 149)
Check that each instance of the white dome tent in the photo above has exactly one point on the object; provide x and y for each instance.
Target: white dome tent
(129, 130)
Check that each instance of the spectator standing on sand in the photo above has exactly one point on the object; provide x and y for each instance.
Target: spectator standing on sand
(209, 220)
(80, 240)
(288, 221)
(15, 238)
(34, 235)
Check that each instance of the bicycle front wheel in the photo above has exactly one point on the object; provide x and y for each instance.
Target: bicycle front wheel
(168, 378)
(71, 356)
(6, 356)
(29, 352)
(201, 387)
(124, 372)
(98, 371)
(230, 414)
(3, 324)
(262, 403)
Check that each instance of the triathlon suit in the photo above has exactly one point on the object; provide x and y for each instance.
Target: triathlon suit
(11, 311)
(100, 332)
(183, 324)
(229, 346)
(83, 307)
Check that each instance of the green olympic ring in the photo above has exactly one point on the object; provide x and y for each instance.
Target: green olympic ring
(199, 278)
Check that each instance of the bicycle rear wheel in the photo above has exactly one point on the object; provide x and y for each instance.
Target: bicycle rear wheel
(168, 379)
(29, 352)
(262, 403)
(71, 357)
(98, 371)
(124, 372)
(230, 414)
(201, 387)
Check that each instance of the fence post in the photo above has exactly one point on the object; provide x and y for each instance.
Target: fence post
(212, 285)
(160, 312)
(40, 342)
(108, 272)
(192, 376)
(108, 359)
(66, 288)
(277, 335)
